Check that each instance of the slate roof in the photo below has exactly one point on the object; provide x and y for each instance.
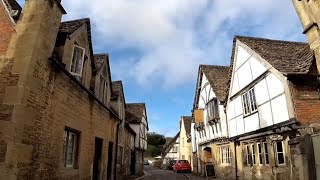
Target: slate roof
(286, 56)
(69, 27)
(166, 148)
(187, 124)
(218, 79)
(117, 90)
(134, 112)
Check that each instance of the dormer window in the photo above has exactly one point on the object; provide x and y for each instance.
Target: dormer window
(77, 60)
(249, 102)
(212, 110)
(103, 89)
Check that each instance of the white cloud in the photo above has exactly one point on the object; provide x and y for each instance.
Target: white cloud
(174, 36)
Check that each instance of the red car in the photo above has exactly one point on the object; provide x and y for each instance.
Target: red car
(182, 165)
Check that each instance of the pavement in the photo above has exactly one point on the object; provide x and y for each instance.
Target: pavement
(153, 173)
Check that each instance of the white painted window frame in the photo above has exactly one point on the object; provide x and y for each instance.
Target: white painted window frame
(82, 60)
(277, 154)
(249, 99)
(75, 149)
(253, 155)
(265, 154)
(260, 154)
(225, 155)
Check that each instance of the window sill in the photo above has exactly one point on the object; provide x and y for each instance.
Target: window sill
(254, 112)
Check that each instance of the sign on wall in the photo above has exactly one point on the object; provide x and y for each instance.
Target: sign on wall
(198, 115)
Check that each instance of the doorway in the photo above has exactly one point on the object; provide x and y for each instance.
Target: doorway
(110, 160)
(97, 158)
(133, 163)
(316, 150)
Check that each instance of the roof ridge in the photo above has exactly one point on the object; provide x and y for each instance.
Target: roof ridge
(267, 39)
(82, 19)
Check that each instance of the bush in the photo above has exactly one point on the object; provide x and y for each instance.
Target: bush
(157, 163)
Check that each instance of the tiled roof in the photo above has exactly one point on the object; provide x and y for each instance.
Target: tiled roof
(218, 79)
(166, 148)
(70, 27)
(134, 112)
(286, 56)
(187, 124)
(117, 90)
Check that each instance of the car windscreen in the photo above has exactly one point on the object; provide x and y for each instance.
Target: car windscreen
(183, 161)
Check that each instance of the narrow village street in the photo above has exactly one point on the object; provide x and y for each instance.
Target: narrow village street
(153, 173)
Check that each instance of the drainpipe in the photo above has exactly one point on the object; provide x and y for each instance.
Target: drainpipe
(235, 159)
(117, 140)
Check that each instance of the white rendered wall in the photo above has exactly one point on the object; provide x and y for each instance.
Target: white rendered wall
(269, 92)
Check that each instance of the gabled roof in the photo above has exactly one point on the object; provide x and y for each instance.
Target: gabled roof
(187, 124)
(218, 79)
(69, 27)
(134, 113)
(117, 90)
(286, 56)
(166, 148)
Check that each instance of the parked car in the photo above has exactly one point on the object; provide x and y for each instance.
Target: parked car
(182, 165)
(170, 164)
(146, 162)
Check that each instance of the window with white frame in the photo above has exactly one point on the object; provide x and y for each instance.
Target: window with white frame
(225, 155)
(248, 155)
(253, 154)
(76, 66)
(266, 154)
(212, 109)
(280, 153)
(259, 153)
(103, 89)
(249, 102)
(70, 148)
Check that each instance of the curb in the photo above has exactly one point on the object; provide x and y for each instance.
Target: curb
(145, 174)
(188, 177)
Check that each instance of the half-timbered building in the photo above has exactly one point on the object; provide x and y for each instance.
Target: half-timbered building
(210, 138)
(270, 82)
(136, 116)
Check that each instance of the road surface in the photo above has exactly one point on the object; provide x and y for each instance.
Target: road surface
(152, 173)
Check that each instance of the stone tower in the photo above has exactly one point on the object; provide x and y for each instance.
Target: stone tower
(309, 14)
(24, 72)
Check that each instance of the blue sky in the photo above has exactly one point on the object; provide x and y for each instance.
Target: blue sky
(155, 47)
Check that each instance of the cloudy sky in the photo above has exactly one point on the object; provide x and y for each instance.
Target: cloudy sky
(155, 47)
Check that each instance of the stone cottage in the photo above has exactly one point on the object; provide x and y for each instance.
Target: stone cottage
(56, 121)
(126, 135)
(136, 117)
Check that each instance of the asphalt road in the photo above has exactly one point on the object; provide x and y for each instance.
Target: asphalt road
(153, 173)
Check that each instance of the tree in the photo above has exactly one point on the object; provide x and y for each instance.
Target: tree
(155, 144)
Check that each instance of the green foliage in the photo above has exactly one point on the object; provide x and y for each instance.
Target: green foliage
(155, 144)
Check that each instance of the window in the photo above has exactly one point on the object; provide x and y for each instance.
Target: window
(77, 61)
(253, 154)
(249, 102)
(266, 154)
(260, 153)
(225, 155)
(103, 89)
(212, 109)
(280, 153)
(70, 148)
(248, 155)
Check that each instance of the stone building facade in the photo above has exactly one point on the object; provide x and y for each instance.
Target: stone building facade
(56, 121)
